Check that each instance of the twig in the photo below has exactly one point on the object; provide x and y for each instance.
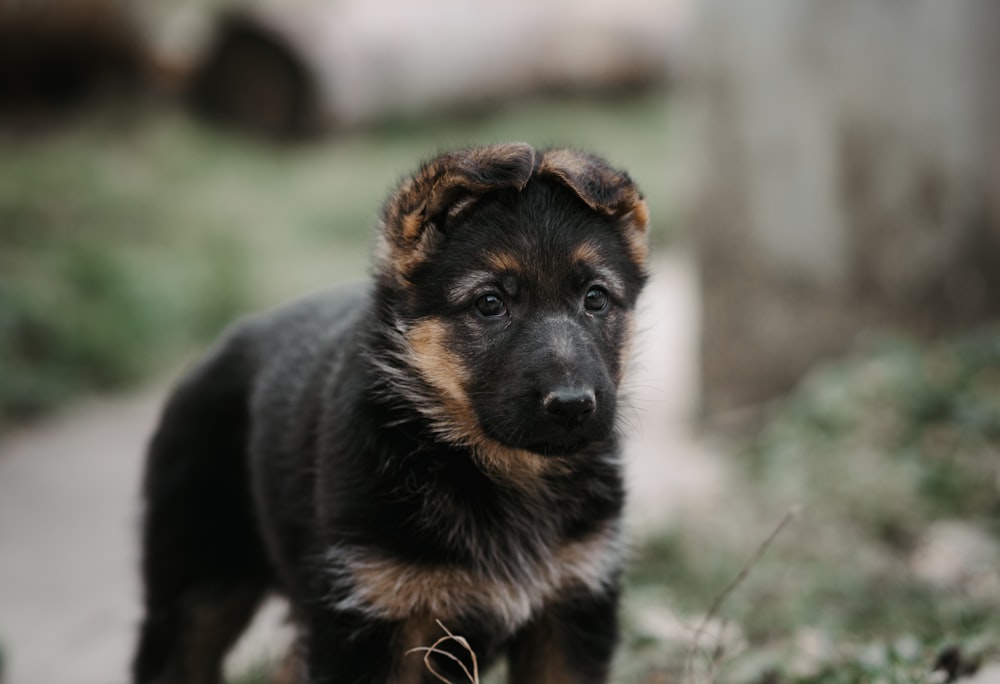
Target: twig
(721, 598)
(428, 651)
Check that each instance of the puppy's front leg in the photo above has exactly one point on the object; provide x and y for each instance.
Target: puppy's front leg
(351, 648)
(571, 642)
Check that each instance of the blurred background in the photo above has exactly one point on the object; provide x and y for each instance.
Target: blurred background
(820, 345)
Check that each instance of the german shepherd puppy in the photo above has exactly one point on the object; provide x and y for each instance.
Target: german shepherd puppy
(439, 444)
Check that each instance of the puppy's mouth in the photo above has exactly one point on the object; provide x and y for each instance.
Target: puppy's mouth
(547, 440)
(558, 448)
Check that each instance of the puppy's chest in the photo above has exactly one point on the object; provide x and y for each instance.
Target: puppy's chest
(509, 589)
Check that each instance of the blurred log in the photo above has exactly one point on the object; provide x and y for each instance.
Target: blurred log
(290, 69)
(57, 53)
(845, 180)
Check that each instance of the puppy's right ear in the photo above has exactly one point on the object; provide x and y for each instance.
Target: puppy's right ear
(417, 212)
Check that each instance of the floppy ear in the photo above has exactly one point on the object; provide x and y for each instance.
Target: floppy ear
(604, 189)
(419, 208)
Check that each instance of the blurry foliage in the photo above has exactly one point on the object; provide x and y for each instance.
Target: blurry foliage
(876, 447)
(894, 439)
(136, 234)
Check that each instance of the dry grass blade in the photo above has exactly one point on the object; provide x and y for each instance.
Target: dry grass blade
(720, 599)
(428, 651)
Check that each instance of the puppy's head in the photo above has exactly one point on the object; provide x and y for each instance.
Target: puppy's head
(510, 277)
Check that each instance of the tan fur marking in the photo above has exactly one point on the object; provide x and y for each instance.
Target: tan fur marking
(636, 233)
(394, 590)
(548, 668)
(626, 348)
(416, 632)
(456, 418)
(539, 660)
(638, 250)
(640, 215)
(553, 670)
(501, 262)
(441, 367)
(587, 253)
(412, 224)
(515, 466)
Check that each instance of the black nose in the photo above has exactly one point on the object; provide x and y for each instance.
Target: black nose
(570, 404)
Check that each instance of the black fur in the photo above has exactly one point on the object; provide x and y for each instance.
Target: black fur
(315, 438)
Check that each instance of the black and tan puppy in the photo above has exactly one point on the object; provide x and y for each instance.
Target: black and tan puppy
(437, 445)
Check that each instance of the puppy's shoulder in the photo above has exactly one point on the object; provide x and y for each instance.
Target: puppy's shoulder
(322, 315)
(287, 339)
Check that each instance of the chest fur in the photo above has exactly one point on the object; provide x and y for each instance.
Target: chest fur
(511, 592)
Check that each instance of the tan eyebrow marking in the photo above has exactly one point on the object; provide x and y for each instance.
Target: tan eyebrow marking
(497, 263)
(504, 261)
(587, 253)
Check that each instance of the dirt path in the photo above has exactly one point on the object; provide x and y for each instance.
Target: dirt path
(68, 593)
(68, 504)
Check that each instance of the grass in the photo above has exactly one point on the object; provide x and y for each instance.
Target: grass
(880, 448)
(136, 233)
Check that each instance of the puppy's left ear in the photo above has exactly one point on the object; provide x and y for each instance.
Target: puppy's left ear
(604, 189)
(418, 211)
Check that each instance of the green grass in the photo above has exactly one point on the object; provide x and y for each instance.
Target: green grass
(876, 447)
(135, 234)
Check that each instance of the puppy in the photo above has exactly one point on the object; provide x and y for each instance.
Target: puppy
(436, 445)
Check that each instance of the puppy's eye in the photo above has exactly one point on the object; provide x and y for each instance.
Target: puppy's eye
(596, 299)
(491, 305)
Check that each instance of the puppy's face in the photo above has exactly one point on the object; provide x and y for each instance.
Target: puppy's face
(515, 297)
